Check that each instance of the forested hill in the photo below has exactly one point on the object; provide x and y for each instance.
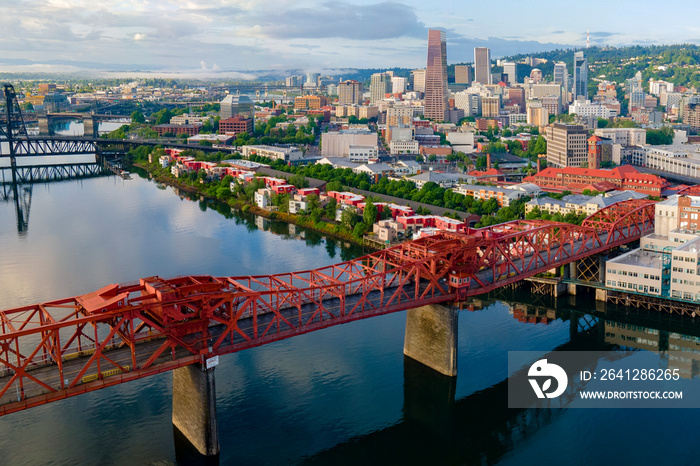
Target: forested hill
(681, 62)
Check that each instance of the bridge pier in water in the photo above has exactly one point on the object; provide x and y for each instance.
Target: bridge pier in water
(431, 337)
(45, 128)
(194, 407)
(90, 127)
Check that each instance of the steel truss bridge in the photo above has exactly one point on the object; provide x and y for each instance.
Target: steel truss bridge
(56, 349)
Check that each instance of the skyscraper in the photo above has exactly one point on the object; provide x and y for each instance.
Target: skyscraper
(482, 65)
(349, 92)
(561, 77)
(511, 70)
(436, 105)
(580, 86)
(418, 80)
(463, 74)
(380, 85)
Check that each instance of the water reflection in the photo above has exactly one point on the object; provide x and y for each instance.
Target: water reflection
(21, 197)
(479, 428)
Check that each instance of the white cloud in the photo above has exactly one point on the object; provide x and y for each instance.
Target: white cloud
(139, 36)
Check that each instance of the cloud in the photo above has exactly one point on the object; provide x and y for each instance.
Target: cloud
(603, 34)
(461, 49)
(384, 20)
(139, 36)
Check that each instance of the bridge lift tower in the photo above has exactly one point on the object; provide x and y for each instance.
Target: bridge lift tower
(12, 127)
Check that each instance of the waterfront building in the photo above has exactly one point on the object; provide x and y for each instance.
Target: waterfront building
(667, 263)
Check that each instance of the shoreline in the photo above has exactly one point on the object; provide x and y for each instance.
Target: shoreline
(245, 207)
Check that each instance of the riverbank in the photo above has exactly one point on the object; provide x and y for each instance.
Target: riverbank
(332, 230)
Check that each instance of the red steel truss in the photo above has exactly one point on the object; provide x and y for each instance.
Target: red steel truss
(119, 333)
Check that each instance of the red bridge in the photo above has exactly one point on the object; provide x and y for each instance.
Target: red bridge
(62, 348)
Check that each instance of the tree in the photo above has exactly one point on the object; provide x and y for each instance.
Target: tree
(137, 117)
(369, 215)
(540, 146)
(334, 186)
(348, 218)
(359, 230)
(331, 207)
(299, 181)
(316, 215)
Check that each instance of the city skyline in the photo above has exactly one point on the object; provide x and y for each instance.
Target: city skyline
(237, 37)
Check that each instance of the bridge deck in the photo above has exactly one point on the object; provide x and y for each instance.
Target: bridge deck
(63, 348)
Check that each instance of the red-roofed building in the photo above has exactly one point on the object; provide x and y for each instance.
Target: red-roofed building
(492, 174)
(283, 188)
(577, 179)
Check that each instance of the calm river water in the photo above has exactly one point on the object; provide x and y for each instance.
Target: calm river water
(343, 395)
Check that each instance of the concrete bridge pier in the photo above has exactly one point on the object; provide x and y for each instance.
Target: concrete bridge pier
(431, 337)
(45, 126)
(573, 273)
(194, 407)
(90, 126)
(601, 295)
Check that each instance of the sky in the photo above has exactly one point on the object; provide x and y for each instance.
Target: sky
(239, 38)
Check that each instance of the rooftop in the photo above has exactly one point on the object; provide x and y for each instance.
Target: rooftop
(640, 258)
(691, 246)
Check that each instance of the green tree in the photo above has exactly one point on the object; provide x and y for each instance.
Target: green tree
(331, 208)
(137, 117)
(359, 230)
(348, 218)
(369, 215)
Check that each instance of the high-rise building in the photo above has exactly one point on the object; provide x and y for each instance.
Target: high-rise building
(418, 80)
(510, 70)
(580, 86)
(379, 87)
(567, 145)
(463, 74)
(312, 79)
(436, 94)
(561, 77)
(516, 95)
(398, 85)
(482, 65)
(349, 92)
(237, 105)
(490, 106)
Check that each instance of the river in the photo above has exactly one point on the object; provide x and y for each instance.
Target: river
(336, 396)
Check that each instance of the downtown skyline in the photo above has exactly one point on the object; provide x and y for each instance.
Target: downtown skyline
(236, 38)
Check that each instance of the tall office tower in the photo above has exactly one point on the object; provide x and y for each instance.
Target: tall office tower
(561, 77)
(580, 86)
(463, 74)
(312, 79)
(482, 65)
(349, 92)
(237, 105)
(398, 85)
(511, 72)
(436, 94)
(418, 80)
(566, 145)
(379, 87)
